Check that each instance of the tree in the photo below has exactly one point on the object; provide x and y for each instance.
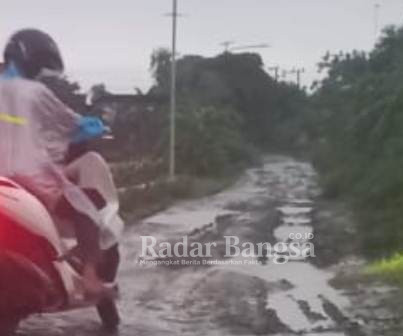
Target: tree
(235, 81)
(67, 91)
(97, 91)
(358, 108)
(160, 70)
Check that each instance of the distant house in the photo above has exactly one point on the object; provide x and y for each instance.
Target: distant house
(123, 103)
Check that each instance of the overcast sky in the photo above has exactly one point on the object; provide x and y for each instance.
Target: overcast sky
(111, 41)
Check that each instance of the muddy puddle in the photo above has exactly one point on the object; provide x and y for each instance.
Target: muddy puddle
(252, 295)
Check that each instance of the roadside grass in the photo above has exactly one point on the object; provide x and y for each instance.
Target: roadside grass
(140, 202)
(390, 269)
(144, 188)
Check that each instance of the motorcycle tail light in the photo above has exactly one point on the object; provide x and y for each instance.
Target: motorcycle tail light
(15, 238)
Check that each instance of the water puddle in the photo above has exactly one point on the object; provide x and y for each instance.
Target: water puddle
(292, 184)
(198, 301)
(302, 307)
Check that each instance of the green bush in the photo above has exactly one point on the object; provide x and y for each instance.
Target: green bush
(390, 269)
(359, 113)
(210, 141)
(143, 201)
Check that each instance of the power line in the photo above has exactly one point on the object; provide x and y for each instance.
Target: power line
(251, 46)
(226, 45)
(298, 72)
(285, 72)
(276, 70)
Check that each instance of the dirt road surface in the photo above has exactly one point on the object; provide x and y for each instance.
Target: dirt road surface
(234, 296)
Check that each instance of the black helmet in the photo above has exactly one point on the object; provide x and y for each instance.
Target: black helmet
(33, 51)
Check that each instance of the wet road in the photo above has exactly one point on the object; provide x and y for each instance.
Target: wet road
(268, 204)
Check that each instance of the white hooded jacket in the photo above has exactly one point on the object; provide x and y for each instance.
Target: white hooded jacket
(35, 132)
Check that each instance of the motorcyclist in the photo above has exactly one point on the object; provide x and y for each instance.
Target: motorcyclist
(36, 129)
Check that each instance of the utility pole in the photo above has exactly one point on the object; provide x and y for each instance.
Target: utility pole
(284, 73)
(377, 7)
(226, 45)
(298, 72)
(173, 93)
(276, 70)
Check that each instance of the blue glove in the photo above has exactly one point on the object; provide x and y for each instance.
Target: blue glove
(11, 72)
(89, 128)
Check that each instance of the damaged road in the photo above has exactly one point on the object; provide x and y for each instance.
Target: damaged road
(277, 202)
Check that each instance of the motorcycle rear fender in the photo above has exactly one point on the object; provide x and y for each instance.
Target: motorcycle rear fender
(26, 210)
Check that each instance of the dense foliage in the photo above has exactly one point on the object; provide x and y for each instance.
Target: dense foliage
(359, 123)
(228, 106)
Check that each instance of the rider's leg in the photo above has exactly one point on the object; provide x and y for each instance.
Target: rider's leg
(55, 191)
(91, 172)
(108, 266)
(87, 234)
(86, 231)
